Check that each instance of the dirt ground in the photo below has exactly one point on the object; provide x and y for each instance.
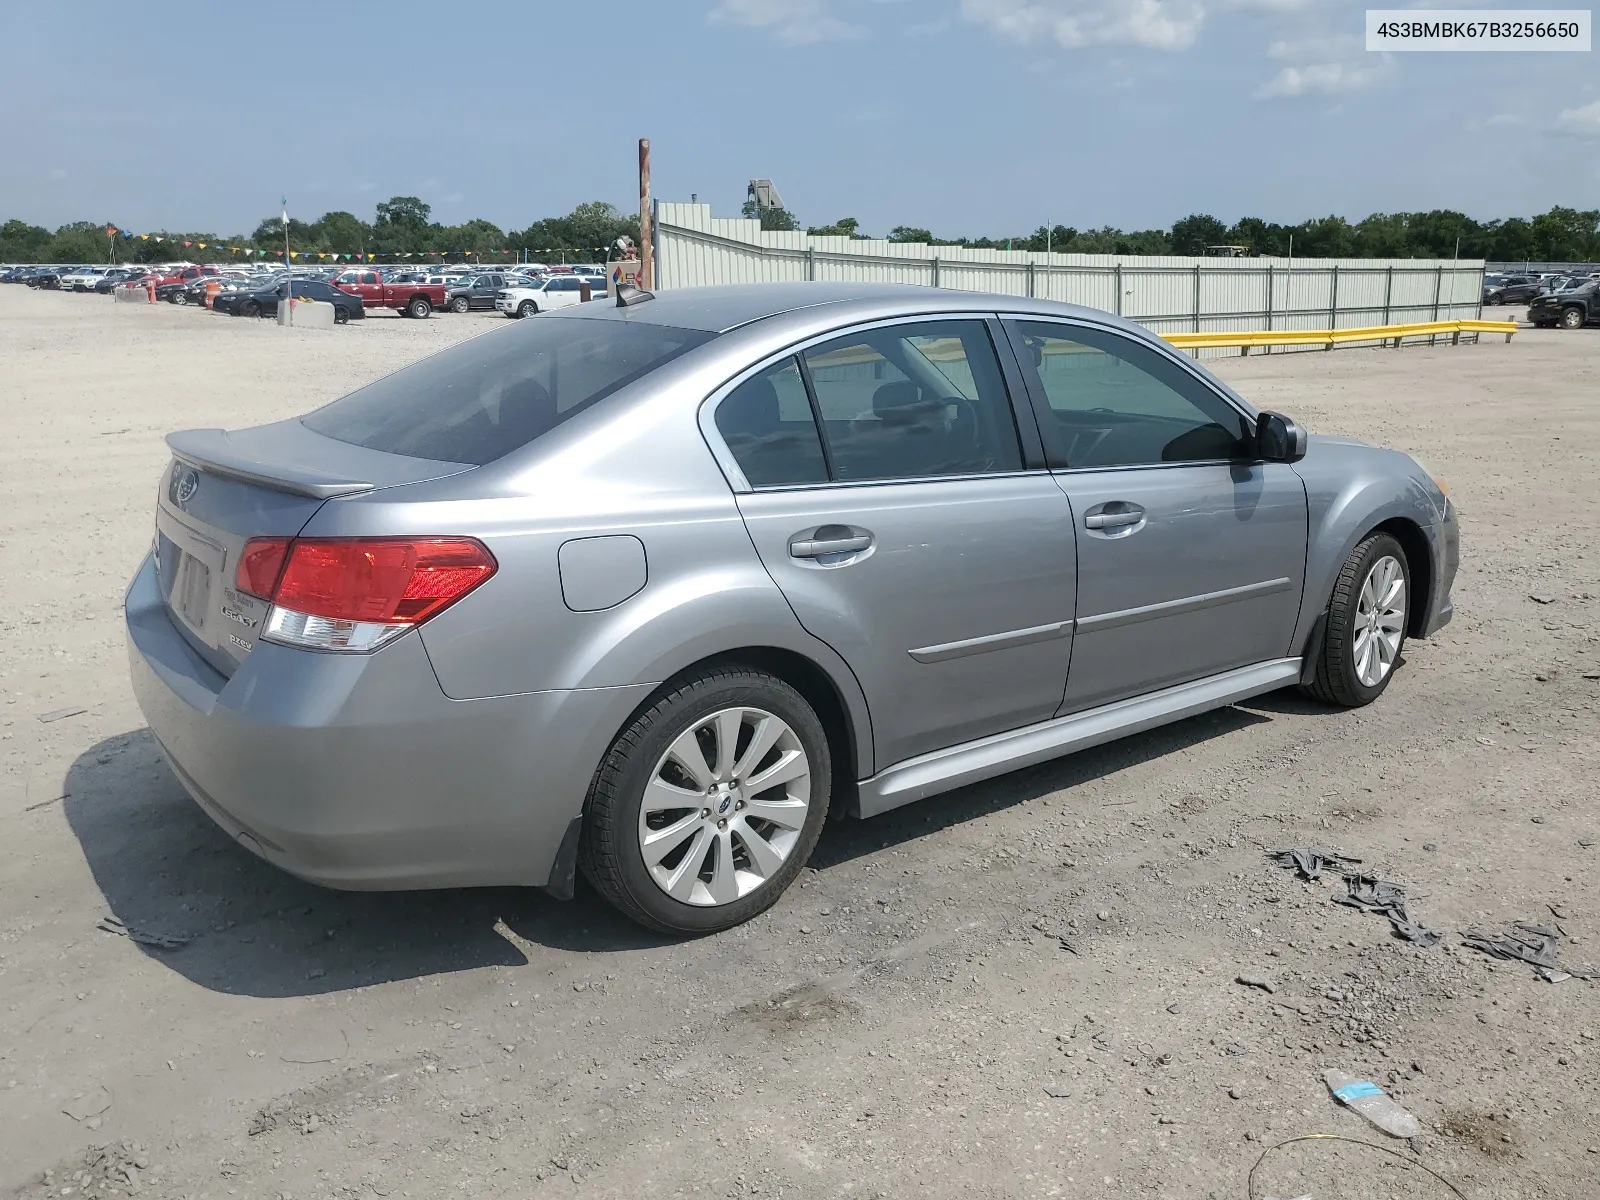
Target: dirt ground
(907, 1022)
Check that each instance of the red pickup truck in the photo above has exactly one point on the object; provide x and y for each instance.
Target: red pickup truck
(403, 291)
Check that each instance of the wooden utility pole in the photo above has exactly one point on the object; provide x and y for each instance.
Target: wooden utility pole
(647, 250)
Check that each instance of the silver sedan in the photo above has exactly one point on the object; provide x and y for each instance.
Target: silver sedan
(647, 588)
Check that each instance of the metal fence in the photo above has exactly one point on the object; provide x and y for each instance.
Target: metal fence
(1165, 294)
(1525, 267)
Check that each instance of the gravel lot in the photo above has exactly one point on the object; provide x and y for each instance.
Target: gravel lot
(906, 1022)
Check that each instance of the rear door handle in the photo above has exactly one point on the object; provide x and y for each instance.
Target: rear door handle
(1113, 515)
(818, 547)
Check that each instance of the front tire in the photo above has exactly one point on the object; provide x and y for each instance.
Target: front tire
(459, 304)
(341, 316)
(1496, 300)
(1366, 625)
(1572, 318)
(250, 309)
(180, 298)
(527, 308)
(708, 805)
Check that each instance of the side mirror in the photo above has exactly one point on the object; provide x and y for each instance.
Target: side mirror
(1278, 439)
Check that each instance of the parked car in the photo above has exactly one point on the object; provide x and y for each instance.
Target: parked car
(404, 292)
(525, 297)
(587, 593)
(475, 292)
(112, 278)
(1509, 289)
(186, 273)
(82, 279)
(50, 278)
(263, 301)
(1571, 309)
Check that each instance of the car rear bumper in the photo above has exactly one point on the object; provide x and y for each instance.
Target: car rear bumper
(356, 771)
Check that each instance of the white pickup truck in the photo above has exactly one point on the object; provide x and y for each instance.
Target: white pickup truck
(557, 291)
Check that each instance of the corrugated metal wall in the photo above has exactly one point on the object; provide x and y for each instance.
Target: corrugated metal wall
(1167, 294)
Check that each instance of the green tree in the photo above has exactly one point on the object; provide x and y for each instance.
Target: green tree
(1565, 234)
(1193, 234)
(343, 231)
(1510, 240)
(844, 227)
(909, 233)
(21, 242)
(1262, 237)
(780, 219)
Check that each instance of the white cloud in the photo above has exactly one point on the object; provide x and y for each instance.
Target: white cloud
(1324, 66)
(1583, 121)
(1153, 24)
(1322, 79)
(795, 22)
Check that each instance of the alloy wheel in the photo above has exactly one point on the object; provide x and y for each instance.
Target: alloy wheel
(1380, 621)
(725, 806)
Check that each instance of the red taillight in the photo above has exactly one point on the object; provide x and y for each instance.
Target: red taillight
(260, 565)
(400, 581)
(395, 581)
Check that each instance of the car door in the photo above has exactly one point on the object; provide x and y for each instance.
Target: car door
(562, 292)
(913, 537)
(1191, 551)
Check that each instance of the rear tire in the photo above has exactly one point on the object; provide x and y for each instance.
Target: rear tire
(1363, 620)
(616, 819)
(420, 307)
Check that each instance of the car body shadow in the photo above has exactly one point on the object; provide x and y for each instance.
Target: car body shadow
(168, 873)
(194, 900)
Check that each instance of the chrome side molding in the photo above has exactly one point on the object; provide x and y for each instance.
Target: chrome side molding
(942, 770)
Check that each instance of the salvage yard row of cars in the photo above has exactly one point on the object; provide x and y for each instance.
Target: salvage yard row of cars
(518, 291)
(1565, 300)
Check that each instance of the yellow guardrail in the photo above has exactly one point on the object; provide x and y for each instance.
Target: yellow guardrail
(1329, 338)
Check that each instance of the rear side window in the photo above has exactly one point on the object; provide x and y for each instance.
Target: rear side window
(766, 422)
(488, 396)
(914, 401)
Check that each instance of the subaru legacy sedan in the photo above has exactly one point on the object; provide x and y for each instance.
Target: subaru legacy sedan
(649, 587)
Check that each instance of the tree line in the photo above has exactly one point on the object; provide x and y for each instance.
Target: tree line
(404, 225)
(1560, 235)
(400, 225)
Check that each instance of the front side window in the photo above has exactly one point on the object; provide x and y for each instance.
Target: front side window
(767, 424)
(1114, 402)
(490, 395)
(914, 401)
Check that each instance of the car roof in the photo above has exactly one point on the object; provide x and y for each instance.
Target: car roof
(724, 308)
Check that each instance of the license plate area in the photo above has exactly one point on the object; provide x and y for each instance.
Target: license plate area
(187, 565)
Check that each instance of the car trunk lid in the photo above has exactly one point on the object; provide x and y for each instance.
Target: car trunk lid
(222, 489)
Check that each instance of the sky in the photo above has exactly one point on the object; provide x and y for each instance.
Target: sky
(965, 117)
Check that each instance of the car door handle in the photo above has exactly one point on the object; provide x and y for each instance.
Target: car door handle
(1113, 515)
(817, 547)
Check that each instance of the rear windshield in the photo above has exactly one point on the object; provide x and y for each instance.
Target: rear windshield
(486, 397)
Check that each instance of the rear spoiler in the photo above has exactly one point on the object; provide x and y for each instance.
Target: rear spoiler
(212, 450)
